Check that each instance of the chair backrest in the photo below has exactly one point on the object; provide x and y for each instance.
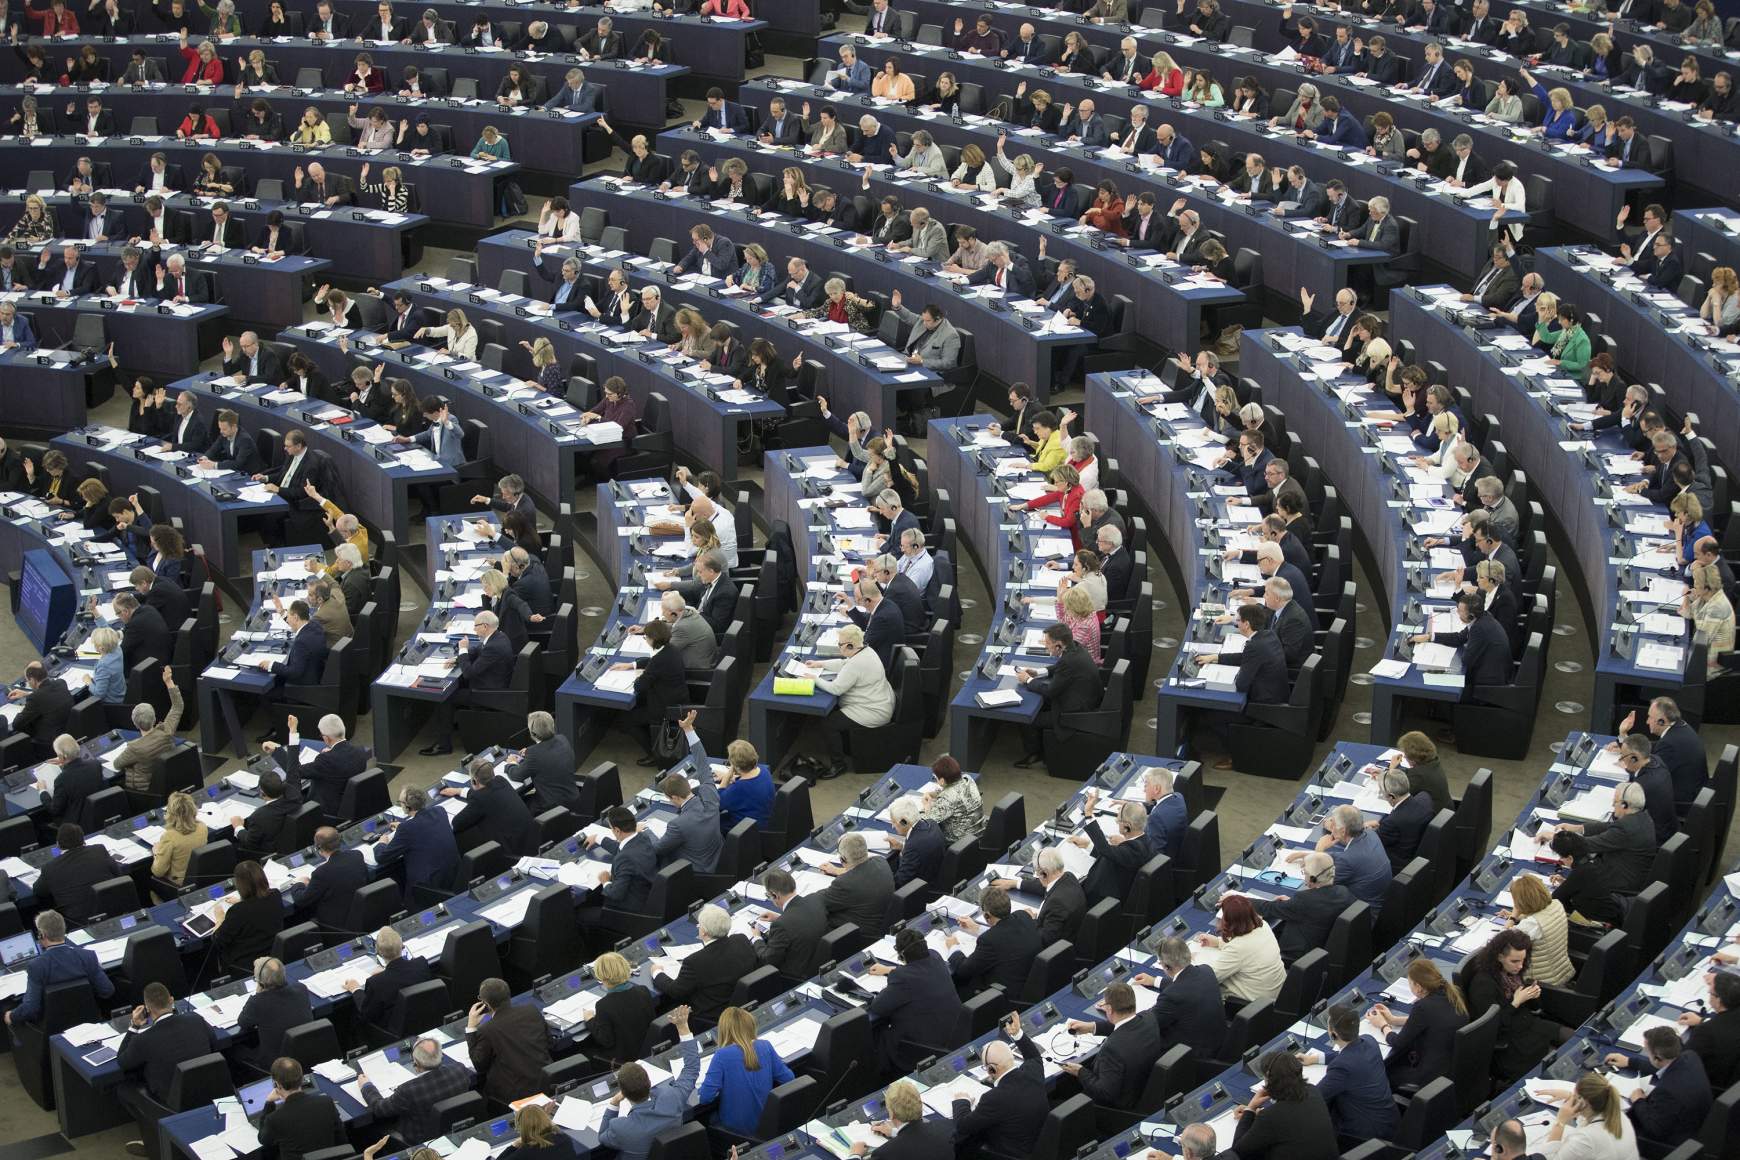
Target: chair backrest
(203, 1080)
(1303, 984)
(1050, 972)
(311, 1043)
(1471, 1059)
(418, 1008)
(1349, 943)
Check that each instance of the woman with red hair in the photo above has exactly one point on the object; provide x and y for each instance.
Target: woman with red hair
(1246, 959)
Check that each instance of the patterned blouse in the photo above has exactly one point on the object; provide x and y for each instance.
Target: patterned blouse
(394, 200)
(957, 809)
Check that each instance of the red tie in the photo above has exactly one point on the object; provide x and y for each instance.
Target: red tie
(181, 288)
(1001, 270)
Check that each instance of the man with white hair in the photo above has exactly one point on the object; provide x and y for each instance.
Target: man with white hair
(884, 626)
(332, 767)
(175, 284)
(853, 75)
(411, 1107)
(1608, 858)
(376, 995)
(1190, 1010)
(547, 763)
(485, 665)
(1272, 563)
(899, 591)
(918, 842)
(349, 573)
(1401, 829)
(860, 892)
(915, 563)
(140, 760)
(1008, 1118)
(58, 961)
(1289, 621)
(690, 635)
(1303, 920)
(709, 976)
(1116, 565)
(1065, 902)
(80, 777)
(889, 506)
(1360, 862)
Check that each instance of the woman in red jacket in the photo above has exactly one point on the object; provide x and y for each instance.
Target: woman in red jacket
(203, 65)
(1066, 488)
(730, 9)
(198, 123)
(365, 77)
(1165, 76)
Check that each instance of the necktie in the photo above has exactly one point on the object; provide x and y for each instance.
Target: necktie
(1335, 327)
(1480, 287)
(1426, 81)
(181, 287)
(436, 441)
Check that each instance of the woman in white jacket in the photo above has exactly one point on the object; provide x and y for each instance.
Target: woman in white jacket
(461, 336)
(1246, 959)
(866, 699)
(1591, 1125)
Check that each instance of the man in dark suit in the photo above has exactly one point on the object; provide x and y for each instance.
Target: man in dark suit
(326, 24)
(47, 706)
(376, 996)
(1072, 685)
(1486, 658)
(1646, 770)
(547, 765)
(633, 866)
(1675, 743)
(66, 882)
(722, 114)
(1497, 285)
(1065, 902)
(339, 876)
(1005, 269)
(1303, 920)
(1401, 829)
(910, 1135)
(144, 635)
(779, 127)
(1027, 47)
(861, 890)
(1630, 148)
(187, 431)
(794, 938)
(1007, 1119)
(332, 767)
(1673, 1109)
(1116, 564)
(1716, 1036)
(1189, 1009)
(259, 832)
(412, 1105)
(1290, 621)
(717, 599)
(919, 844)
(1117, 1073)
(100, 224)
(79, 777)
(484, 665)
(884, 626)
(423, 842)
(306, 662)
(900, 593)
(801, 287)
(1117, 857)
(511, 1050)
(494, 812)
(58, 961)
(158, 1039)
(710, 255)
(708, 977)
(1005, 950)
(249, 361)
(67, 276)
(226, 230)
(1668, 267)
(316, 184)
(1355, 1085)
(233, 448)
(1262, 670)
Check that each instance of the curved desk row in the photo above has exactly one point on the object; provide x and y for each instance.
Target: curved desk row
(1455, 233)
(1169, 309)
(1007, 349)
(852, 383)
(461, 187)
(1614, 565)
(154, 338)
(1585, 198)
(366, 244)
(1290, 260)
(210, 503)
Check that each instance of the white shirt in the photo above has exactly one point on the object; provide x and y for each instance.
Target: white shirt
(1512, 198)
(290, 470)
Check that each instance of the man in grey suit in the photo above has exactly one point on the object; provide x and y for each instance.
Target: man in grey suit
(862, 888)
(929, 239)
(934, 342)
(690, 634)
(1501, 514)
(694, 833)
(793, 938)
(548, 763)
(637, 1112)
(1498, 284)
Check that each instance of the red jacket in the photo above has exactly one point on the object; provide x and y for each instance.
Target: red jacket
(1172, 84)
(206, 127)
(199, 72)
(734, 9)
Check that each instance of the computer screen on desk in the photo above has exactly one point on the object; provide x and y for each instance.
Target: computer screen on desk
(47, 599)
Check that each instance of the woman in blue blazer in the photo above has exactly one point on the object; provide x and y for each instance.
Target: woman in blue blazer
(1558, 117)
(109, 681)
(744, 1071)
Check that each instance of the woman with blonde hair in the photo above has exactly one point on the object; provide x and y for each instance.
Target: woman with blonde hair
(312, 129)
(744, 1072)
(538, 1136)
(183, 833)
(792, 198)
(1536, 913)
(841, 305)
(461, 336)
(35, 225)
(544, 363)
(391, 192)
(1707, 606)
(1423, 1041)
(1075, 56)
(1547, 319)
(878, 473)
(1442, 463)
(1686, 518)
(617, 1030)
(757, 273)
(108, 679)
(1596, 131)
(1558, 118)
(492, 146)
(1165, 76)
(1721, 308)
(1076, 610)
(1591, 1125)
(1706, 27)
(1023, 174)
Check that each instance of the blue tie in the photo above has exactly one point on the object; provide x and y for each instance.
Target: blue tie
(562, 291)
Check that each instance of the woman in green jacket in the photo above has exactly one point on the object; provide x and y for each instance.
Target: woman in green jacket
(1571, 352)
